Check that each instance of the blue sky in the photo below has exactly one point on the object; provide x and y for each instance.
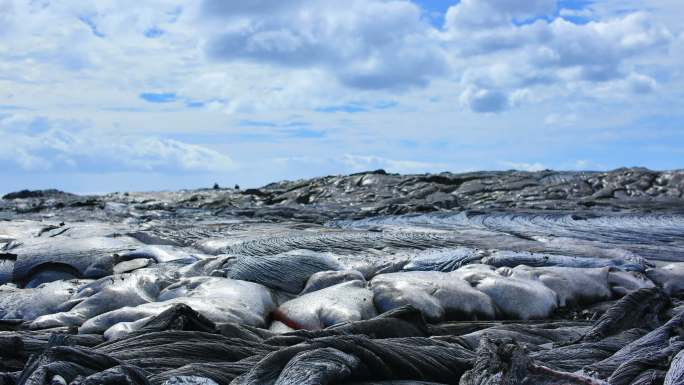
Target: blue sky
(167, 94)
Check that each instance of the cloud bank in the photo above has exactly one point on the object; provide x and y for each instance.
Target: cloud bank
(234, 89)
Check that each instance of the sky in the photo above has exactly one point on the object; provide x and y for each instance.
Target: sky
(115, 95)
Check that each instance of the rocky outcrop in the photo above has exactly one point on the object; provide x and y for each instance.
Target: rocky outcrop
(379, 193)
(486, 278)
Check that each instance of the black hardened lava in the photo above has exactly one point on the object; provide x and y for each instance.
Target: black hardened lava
(483, 278)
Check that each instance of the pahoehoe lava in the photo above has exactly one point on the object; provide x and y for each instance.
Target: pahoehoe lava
(372, 278)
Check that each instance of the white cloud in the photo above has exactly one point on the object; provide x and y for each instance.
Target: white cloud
(498, 55)
(482, 100)
(586, 13)
(560, 120)
(366, 44)
(497, 73)
(522, 166)
(469, 14)
(39, 145)
(358, 163)
(284, 55)
(584, 165)
(641, 84)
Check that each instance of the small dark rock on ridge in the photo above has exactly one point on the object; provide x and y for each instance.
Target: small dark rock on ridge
(24, 194)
